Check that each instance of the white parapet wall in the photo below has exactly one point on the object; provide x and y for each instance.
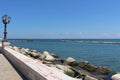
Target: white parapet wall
(32, 69)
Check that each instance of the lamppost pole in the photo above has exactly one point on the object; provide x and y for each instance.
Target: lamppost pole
(5, 32)
(6, 20)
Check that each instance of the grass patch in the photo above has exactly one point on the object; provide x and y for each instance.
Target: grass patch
(71, 74)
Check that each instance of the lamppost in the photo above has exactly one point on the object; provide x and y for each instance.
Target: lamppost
(6, 20)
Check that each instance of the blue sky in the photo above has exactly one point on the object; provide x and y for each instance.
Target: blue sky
(62, 18)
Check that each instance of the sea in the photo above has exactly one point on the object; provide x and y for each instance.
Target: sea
(100, 52)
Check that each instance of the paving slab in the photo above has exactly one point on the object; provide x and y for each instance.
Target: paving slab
(7, 72)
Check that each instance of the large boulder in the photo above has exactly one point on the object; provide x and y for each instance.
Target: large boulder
(22, 50)
(48, 56)
(70, 59)
(75, 63)
(82, 64)
(91, 67)
(34, 55)
(29, 52)
(116, 77)
(41, 57)
(103, 70)
(35, 51)
(16, 49)
(26, 50)
(11, 47)
(64, 68)
(24, 53)
(54, 55)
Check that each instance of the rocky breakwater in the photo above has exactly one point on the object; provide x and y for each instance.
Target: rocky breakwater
(69, 66)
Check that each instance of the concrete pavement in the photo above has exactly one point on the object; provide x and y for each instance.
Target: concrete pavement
(7, 72)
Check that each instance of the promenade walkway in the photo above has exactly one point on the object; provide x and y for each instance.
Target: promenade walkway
(7, 72)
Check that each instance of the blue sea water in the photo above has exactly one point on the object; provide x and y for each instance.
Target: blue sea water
(101, 52)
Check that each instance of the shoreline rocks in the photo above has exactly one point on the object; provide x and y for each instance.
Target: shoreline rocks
(82, 70)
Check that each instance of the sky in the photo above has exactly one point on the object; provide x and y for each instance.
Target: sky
(57, 19)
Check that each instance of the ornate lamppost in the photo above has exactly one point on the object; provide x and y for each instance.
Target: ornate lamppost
(6, 20)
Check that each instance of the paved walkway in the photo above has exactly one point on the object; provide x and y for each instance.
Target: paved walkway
(7, 72)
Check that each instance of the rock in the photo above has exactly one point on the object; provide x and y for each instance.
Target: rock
(57, 59)
(89, 78)
(16, 49)
(22, 50)
(91, 67)
(24, 53)
(49, 64)
(27, 50)
(34, 55)
(41, 57)
(65, 62)
(45, 53)
(65, 68)
(54, 55)
(48, 56)
(28, 56)
(103, 70)
(82, 64)
(116, 77)
(62, 60)
(75, 63)
(35, 51)
(70, 59)
(11, 47)
(19, 47)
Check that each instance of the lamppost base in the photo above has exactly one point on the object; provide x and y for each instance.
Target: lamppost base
(5, 40)
(5, 44)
